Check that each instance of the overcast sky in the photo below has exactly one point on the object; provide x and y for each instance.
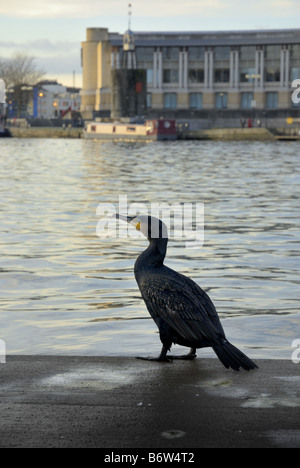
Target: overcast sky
(52, 30)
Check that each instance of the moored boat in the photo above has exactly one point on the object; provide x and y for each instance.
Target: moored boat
(150, 130)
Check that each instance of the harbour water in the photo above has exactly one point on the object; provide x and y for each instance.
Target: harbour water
(66, 291)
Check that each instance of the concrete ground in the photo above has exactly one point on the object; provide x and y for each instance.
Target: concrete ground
(117, 402)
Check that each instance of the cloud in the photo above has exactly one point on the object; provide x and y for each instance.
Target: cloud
(55, 58)
(140, 8)
(41, 45)
(60, 63)
(195, 11)
(58, 9)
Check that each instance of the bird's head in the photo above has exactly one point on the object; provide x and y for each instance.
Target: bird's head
(151, 227)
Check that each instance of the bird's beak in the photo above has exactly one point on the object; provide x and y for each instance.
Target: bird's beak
(131, 220)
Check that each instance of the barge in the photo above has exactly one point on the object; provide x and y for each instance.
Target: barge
(150, 130)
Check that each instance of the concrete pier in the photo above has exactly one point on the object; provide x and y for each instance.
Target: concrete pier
(119, 402)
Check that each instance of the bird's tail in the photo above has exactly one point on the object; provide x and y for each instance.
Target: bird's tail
(230, 356)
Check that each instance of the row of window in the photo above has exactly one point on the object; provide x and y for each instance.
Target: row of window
(221, 100)
(222, 75)
(271, 52)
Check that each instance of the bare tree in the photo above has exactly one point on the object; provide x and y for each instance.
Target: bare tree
(4, 70)
(18, 72)
(21, 69)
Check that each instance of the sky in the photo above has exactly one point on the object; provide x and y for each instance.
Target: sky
(52, 30)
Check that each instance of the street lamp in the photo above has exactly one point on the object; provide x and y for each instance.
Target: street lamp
(55, 105)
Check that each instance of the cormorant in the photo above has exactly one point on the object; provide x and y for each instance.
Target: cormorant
(182, 311)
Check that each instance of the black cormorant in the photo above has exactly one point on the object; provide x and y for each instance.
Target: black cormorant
(182, 311)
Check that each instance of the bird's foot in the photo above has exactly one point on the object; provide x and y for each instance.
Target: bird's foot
(158, 359)
(186, 357)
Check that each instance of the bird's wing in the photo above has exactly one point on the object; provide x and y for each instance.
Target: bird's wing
(183, 305)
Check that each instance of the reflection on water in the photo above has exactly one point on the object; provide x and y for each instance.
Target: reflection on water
(65, 291)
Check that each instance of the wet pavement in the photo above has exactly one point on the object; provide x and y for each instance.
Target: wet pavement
(118, 402)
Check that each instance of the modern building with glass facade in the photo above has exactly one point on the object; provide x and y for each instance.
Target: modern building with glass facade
(189, 72)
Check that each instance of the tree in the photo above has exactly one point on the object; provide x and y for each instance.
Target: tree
(18, 72)
(21, 70)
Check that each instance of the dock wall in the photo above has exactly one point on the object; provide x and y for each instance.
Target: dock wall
(46, 132)
(219, 134)
(229, 134)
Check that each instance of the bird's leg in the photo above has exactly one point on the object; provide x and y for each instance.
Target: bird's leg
(191, 355)
(161, 358)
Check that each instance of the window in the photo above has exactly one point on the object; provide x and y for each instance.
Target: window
(295, 61)
(247, 64)
(170, 100)
(196, 53)
(170, 76)
(144, 54)
(272, 100)
(295, 52)
(222, 75)
(247, 53)
(272, 74)
(295, 74)
(273, 52)
(222, 53)
(247, 75)
(221, 72)
(149, 100)
(196, 75)
(170, 53)
(247, 101)
(195, 100)
(272, 63)
(221, 100)
(149, 75)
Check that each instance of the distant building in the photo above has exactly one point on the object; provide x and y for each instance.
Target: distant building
(191, 72)
(55, 100)
(45, 100)
(21, 101)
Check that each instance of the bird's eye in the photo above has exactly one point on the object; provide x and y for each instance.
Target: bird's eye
(138, 225)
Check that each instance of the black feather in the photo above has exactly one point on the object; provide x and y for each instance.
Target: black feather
(183, 312)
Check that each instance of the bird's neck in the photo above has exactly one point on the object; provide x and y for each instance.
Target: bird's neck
(153, 256)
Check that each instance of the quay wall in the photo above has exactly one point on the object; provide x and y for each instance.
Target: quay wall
(229, 134)
(46, 132)
(219, 134)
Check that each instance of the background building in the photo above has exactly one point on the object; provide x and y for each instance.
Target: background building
(191, 73)
(21, 101)
(45, 100)
(55, 100)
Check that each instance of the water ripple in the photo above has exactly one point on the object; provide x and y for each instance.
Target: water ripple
(65, 291)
